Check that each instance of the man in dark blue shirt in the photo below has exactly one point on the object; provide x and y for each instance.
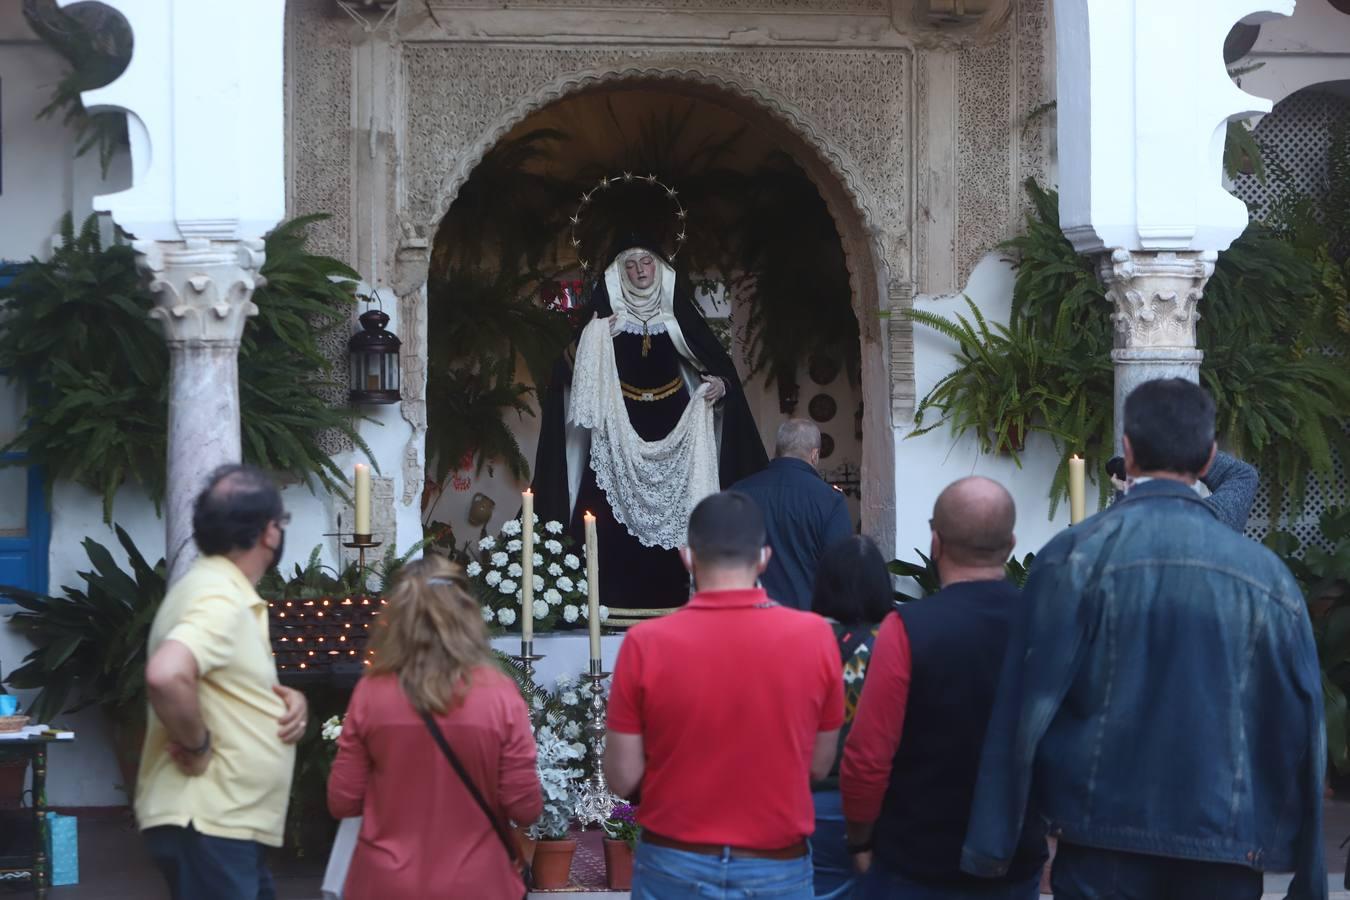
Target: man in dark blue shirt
(803, 515)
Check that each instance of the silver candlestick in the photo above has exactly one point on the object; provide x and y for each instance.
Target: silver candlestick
(595, 803)
(527, 658)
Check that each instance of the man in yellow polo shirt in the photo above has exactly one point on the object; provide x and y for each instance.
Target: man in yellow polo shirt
(219, 750)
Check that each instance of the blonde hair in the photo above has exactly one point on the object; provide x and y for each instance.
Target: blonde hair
(430, 634)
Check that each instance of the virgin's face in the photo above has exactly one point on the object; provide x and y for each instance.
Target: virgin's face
(640, 270)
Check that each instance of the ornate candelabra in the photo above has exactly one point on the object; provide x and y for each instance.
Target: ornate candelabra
(527, 658)
(595, 803)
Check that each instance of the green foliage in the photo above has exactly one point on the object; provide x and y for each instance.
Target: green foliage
(96, 43)
(281, 369)
(1272, 310)
(926, 578)
(800, 296)
(89, 644)
(1324, 575)
(77, 334)
(79, 337)
(470, 405)
(314, 579)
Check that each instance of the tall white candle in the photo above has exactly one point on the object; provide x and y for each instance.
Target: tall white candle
(527, 566)
(1077, 490)
(362, 499)
(593, 585)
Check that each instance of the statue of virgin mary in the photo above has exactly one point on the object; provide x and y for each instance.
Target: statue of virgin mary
(648, 419)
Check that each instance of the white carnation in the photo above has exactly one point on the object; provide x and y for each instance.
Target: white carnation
(511, 528)
(493, 578)
(604, 612)
(538, 584)
(499, 558)
(538, 561)
(473, 569)
(507, 586)
(506, 615)
(571, 561)
(488, 614)
(570, 698)
(540, 609)
(514, 545)
(570, 613)
(552, 597)
(487, 543)
(584, 586)
(514, 570)
(565, 584)
(332, 728)
(553, 546)
(553, 527)
(536, 519)
(554, 570)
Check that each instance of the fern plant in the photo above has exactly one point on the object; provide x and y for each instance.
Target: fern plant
(78, 337)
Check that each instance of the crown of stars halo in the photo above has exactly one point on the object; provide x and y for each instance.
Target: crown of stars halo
(609, 181)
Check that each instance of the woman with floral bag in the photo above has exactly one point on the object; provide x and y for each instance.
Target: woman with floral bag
(853, 591)
(435, 752)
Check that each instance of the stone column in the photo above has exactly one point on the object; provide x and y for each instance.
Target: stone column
(203, 290)
(1154, 295)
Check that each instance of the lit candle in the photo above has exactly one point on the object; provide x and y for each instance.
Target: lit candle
(593, 585)
(362, 499)
(1077, 490)
(527, 566)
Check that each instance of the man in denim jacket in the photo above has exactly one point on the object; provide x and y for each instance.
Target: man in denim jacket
(1160, 707)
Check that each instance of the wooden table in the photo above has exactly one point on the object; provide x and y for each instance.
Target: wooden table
(24, 849)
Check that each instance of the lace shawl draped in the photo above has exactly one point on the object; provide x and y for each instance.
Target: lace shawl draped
(652, 486)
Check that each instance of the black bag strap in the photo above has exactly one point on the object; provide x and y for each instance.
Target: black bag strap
(512, 848)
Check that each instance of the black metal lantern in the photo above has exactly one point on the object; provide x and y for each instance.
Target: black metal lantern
(374, 367)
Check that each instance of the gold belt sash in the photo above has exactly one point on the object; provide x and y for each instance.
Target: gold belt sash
(651, 395)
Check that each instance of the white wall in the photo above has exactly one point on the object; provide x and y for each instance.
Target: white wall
(1310, 47)
(928, 463)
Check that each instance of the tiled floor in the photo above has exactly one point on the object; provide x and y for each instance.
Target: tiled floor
(114, 865)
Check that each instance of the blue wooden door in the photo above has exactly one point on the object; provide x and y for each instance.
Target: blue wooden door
(25, 526)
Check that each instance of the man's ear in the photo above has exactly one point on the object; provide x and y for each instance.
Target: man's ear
(934, 547)
(765, 554)
(687, 557)
(1213, 452)
(815, 457)
(1131, 467)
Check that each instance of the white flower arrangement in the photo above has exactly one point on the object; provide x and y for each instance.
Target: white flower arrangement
(498, 574)
(331, 729)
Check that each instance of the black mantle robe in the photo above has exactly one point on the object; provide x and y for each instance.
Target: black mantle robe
(741, 452)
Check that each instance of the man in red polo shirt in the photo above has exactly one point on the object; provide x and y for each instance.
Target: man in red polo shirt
(723, 713)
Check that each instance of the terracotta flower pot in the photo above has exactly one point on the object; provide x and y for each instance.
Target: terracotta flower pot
(553, 863)
(526, 844)
(619, 864)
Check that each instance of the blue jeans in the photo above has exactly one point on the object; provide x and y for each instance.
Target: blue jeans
(835, 878)
(660, 873)
(1086, 873)
(200, 867)
(881, 883)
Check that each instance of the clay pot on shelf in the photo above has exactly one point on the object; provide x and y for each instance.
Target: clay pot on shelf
(619, 864)
(553, 863)
(13, 768)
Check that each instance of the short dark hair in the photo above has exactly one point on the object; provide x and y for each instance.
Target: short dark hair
(726, 529)
(853, 586)
(234, 509)
(1170, 424)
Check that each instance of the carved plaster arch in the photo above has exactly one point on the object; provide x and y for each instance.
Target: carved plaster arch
(849, 199)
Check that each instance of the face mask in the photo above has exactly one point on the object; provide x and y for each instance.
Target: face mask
(281, 548)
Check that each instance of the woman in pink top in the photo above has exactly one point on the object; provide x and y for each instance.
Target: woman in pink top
(422, 834)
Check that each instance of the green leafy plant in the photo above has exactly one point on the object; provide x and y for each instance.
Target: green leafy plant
(927, 580)
(471, 423)
(314, 578)
(96, 43)
(89, 644)
(95, 367)
(1324, 575)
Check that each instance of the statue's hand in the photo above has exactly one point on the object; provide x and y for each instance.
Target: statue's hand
(615, 324)
(717, 389)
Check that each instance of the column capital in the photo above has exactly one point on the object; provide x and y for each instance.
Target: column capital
(1155, 295)
(203, 288)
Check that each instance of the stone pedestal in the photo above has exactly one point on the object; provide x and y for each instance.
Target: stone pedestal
(1154, 296)
(203, 292)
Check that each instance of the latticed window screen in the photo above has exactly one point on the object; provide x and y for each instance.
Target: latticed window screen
(1296, 136)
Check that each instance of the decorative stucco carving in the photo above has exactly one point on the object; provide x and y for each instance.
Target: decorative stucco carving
(860, 132)
(984, 170)
(900, 299)
(1154, 296)
(412, 321)
(1035, 89)
(875, 7)
(319, 156)
(383, 521)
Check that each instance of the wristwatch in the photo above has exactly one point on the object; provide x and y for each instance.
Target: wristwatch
(205, 745)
